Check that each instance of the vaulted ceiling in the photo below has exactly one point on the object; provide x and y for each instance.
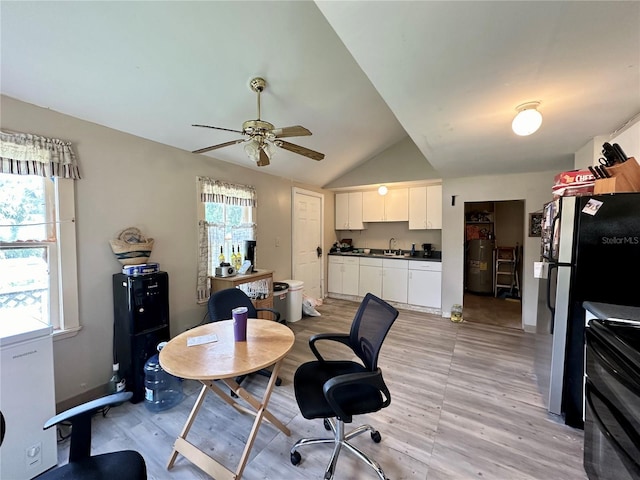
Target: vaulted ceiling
(360, 75)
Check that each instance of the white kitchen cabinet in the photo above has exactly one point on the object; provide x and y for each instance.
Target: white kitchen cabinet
(392, 207)
(417, 208)
(425, 207)
(425, 284)
(395, 280)
(344, 275)
(372, 207)
(370, 276)
(434, 207)
(349, 211)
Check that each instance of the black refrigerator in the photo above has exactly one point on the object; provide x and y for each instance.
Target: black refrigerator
(592, 246)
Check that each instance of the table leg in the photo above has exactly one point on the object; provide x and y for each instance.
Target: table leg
(261, 411)
(187, 426)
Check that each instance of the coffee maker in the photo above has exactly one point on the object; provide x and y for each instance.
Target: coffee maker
(427, 250)
(250, 253)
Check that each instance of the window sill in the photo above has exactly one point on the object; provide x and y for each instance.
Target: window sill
(66, 333)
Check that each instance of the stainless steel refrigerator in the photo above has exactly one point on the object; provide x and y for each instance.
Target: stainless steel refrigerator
(592, 246)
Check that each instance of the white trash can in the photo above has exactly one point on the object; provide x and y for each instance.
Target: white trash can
(294, 300)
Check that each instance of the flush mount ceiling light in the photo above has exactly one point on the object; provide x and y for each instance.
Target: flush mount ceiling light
(382, 190)
(528, 119)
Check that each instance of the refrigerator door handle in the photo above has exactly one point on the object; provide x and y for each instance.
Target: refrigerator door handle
(551, 308)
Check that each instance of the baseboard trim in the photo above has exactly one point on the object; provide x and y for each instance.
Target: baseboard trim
(84, 397)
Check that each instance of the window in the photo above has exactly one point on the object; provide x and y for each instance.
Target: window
(226, 215)
(37, 231)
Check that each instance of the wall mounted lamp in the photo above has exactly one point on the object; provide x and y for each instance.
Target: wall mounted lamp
(527, 120)
(382, 190)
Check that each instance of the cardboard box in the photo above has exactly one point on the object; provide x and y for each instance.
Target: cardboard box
(573, 182)
(141, 269)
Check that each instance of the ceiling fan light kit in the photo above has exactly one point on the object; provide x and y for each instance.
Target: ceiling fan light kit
(262, 137)
(527, 120)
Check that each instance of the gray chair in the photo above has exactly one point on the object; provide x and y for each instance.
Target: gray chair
(341, 389)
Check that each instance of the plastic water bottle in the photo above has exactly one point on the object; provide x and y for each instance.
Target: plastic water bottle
(162, 390)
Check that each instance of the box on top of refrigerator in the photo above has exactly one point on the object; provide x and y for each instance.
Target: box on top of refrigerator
(573, 183)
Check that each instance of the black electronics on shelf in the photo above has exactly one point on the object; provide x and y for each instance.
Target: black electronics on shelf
(141, 321)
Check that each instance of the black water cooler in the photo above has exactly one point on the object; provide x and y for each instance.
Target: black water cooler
(141, 321)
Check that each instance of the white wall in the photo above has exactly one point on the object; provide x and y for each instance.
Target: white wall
(533, 188)
(401, 162)
(377, 235)
(130, 181)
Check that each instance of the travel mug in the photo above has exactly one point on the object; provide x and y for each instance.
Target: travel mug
(240, 323)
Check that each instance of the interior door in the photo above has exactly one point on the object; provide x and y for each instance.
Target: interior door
(307, 231)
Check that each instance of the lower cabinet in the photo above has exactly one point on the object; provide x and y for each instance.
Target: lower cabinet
(343, 275)
(425, 284)
(370, 277)
(394, 280)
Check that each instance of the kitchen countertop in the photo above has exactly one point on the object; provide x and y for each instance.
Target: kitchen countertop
(607, 311)
(420, 258)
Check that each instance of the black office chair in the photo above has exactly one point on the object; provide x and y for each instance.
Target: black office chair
(222, 302)
(341, 389)
(123, 465)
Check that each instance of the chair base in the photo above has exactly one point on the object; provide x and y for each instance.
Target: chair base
(339, 440)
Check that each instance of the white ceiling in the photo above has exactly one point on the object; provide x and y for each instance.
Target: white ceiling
(448, 74)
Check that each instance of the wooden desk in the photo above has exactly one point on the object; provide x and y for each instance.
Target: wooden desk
(267, 344)
(222, 283)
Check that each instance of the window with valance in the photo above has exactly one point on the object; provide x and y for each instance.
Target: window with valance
(226, 214)
(37, 230)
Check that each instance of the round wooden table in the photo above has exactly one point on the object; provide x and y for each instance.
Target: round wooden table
(225, 359)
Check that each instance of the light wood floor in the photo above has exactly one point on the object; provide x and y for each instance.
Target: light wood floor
(465, 405)
(489, 310)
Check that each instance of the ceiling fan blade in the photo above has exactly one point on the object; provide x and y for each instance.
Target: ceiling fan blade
(300, 150)
(215, 147)
(295, 131)
(217, 128)
(264, 159)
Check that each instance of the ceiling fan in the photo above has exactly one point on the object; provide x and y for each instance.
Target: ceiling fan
(261, 137)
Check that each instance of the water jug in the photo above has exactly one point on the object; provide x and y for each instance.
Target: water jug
(161, 389)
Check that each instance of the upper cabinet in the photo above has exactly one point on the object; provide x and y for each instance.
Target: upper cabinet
(349, 211)
(392, 207)
(425, 207)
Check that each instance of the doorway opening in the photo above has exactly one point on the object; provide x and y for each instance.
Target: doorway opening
(494, 235)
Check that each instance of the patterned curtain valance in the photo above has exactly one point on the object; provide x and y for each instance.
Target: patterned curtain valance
(219, 192)
(27, 154)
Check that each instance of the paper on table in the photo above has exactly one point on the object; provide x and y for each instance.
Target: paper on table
(192, 341)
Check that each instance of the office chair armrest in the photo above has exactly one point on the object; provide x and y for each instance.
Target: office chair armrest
(336, 337)
(275, 313)
(80, 418)
(372, 379)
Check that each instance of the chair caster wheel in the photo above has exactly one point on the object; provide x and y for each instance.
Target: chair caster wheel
(295, 458)
(376, 437)
(278, 382)
(327, 425)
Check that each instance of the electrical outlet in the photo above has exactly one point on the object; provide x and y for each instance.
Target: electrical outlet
(34, 455)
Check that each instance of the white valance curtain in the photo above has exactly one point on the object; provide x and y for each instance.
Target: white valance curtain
(220, 192)
(27, 154)
(214, 233)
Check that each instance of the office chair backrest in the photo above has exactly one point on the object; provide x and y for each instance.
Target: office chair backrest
(369, 329)
(223, 301)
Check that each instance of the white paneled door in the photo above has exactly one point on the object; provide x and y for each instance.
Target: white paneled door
(307, 238)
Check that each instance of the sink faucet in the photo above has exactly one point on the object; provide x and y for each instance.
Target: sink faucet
(392, 241)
